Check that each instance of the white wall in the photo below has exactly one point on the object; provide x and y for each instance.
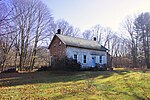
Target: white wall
(70, 51)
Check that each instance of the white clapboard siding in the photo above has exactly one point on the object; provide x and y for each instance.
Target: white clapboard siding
(70, 51)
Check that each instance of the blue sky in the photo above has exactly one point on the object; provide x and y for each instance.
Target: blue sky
(87, 13)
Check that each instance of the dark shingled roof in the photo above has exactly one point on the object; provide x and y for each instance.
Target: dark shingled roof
(80, 42)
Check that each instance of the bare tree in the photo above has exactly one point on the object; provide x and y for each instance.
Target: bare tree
(102, 34)
(66, 28)
(97, 30)
(6, 39)
(107, 36)
(128, 26)
(4, 13)
(44, 19)
(87, 34)
(142, 28)
(32, 23)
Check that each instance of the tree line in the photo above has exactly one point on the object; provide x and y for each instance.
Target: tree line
(138, 28)
(27, 27)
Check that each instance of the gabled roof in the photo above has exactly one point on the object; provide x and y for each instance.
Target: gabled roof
(80, 42)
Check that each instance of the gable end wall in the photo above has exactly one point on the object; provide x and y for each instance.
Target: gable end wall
(57, 50)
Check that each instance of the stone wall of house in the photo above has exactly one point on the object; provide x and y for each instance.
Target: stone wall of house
(57, 51)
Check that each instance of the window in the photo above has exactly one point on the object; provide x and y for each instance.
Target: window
(100, 59)
(59, 43)
(54, 45)
(84, 58)
(75, 57)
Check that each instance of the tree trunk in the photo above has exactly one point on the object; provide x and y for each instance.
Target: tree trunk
(16, 60)
(22, 51)
(148, 50)
(34, 52)
(134, 57)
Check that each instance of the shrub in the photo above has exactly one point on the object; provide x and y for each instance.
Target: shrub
(111, 69)
(89, 69)
(72, 64)
(43, 68)
(10, 70)
(67, 64)
(98, 67)
(101, 67)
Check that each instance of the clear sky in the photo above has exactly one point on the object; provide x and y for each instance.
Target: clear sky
(87, 13)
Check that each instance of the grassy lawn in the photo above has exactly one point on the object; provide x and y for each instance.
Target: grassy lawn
(105, 85)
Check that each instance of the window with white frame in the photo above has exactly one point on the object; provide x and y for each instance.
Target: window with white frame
(84, 58)
(100, 59)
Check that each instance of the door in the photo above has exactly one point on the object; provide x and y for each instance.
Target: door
(93, 61)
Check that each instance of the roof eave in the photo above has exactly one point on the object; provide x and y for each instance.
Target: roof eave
(86, 48)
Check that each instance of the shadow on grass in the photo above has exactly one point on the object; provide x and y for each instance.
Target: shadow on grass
(110, 73)
(14, 79)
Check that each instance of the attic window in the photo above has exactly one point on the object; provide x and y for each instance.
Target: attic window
(59, 43)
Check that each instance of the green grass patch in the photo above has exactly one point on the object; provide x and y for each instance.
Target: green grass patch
(107, 85)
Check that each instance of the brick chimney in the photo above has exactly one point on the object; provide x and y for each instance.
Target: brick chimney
(59, 31)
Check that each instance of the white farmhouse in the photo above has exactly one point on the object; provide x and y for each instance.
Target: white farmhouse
(88, 53)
